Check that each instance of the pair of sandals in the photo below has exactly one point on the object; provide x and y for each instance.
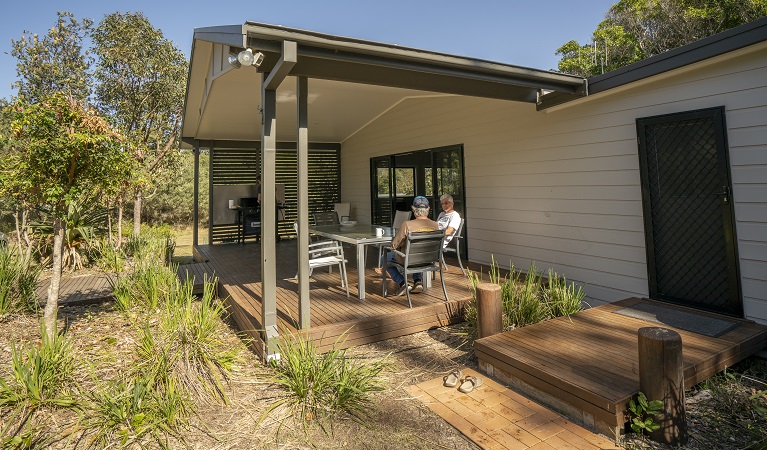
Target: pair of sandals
(465, 384)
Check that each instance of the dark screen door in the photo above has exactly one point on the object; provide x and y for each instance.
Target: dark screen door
(689, 228)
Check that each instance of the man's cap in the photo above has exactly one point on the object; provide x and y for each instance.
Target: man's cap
(420, 202)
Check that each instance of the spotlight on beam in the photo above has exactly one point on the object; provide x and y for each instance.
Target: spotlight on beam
(246, 58)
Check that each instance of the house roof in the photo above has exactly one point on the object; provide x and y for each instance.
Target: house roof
(351, 82)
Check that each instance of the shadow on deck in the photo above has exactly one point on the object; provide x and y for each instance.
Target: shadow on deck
(586, 365)
(335, 319)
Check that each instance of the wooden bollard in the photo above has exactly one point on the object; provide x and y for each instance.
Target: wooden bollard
(661, 377)
(489, 309)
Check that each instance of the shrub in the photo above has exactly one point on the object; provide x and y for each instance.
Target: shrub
(133, 411)
(18, 282)
(527, 300)
(320, 387)
(106, 255)
(186, 346)
(41, 375)
(154, 244)
(149, 285)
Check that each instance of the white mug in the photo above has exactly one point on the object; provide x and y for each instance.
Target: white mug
(379, 232)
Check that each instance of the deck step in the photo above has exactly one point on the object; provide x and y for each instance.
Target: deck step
(586, 365)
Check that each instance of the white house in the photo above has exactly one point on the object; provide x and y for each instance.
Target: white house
(647, 181)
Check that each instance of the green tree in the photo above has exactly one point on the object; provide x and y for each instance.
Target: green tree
(637, 29)
(56, 62)
(63, 151)
(140, 85)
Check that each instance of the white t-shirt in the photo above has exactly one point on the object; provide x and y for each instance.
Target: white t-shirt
(451, 219)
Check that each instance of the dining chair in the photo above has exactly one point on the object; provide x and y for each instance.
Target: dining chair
(325, 218)
(423, 253)
(327, 253)
(343, 210)
(400, 217)
(454, 246)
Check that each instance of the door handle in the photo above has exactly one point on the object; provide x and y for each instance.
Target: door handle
(725, 194)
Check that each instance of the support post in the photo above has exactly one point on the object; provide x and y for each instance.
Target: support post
(489, 309)
(210, 194)
(268, 222)
(196, 212)
(661, 377)
(302, 148)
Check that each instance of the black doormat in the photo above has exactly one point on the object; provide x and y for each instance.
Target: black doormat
(683, 320)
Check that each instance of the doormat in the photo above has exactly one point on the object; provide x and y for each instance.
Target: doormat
(683, 320)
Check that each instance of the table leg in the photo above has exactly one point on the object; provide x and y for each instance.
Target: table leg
(361, 271)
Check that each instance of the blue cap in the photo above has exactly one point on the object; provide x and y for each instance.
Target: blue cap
(420, 202)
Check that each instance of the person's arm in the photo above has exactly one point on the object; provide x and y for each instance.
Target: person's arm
(455, 221)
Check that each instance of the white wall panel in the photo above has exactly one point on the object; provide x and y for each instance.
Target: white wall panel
(562, 188)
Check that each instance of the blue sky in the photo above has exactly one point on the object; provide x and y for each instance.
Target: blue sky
(524, 33)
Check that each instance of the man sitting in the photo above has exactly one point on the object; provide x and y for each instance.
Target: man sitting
(421, 223)
(449, 219)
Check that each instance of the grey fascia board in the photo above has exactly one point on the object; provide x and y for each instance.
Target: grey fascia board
(231, 35)
(718, 44)
(335, 45)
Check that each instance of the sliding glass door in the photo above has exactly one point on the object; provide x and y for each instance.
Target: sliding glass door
(396, 179)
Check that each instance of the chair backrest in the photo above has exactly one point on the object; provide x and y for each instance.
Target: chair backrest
(400, 217)
(325, 218)
(423, 248)
(343, 210)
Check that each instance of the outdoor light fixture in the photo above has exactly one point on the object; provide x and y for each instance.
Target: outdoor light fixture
(246, 58)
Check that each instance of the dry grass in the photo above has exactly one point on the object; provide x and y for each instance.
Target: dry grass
(105, 340)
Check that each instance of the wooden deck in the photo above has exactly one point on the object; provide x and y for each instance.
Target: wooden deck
(77, 289)
(586, 365)
(375, 318)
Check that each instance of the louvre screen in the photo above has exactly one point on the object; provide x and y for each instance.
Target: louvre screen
(243, 166)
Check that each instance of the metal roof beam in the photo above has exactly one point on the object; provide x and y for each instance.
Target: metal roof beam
(283, 67)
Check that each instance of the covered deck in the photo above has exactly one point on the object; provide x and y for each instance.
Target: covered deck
(335, 318)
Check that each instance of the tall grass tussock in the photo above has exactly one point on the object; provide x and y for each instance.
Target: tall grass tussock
(528, 298)
(18, 282)
(320, 387)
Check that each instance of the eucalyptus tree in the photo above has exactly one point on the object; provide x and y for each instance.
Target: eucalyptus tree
(55, 62)
(62, 151)
(140, 86)
(637, 29)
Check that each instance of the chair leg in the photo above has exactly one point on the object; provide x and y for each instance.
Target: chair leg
(407, 292)
(342, 268)
(442, 279)
(458, 255)
(383, 281)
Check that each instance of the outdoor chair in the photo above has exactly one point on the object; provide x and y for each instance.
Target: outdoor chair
(423, 253)
(343, 210)
(400, 217)
(454, 246)
(327, 254)
(325, 218)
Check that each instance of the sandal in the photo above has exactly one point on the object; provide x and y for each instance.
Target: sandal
(452, 379)
(469, 384)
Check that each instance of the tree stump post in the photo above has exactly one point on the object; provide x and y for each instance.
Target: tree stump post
(661, 377)
(489, 309)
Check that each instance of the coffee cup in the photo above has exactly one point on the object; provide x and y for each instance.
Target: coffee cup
(379, 232)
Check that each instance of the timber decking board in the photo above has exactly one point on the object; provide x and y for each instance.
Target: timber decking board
(237, 268)
(77, 289)
(590, 359)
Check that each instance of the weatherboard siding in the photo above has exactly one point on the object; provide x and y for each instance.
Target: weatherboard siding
(562, 188)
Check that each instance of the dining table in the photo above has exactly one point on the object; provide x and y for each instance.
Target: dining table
(360, 235)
